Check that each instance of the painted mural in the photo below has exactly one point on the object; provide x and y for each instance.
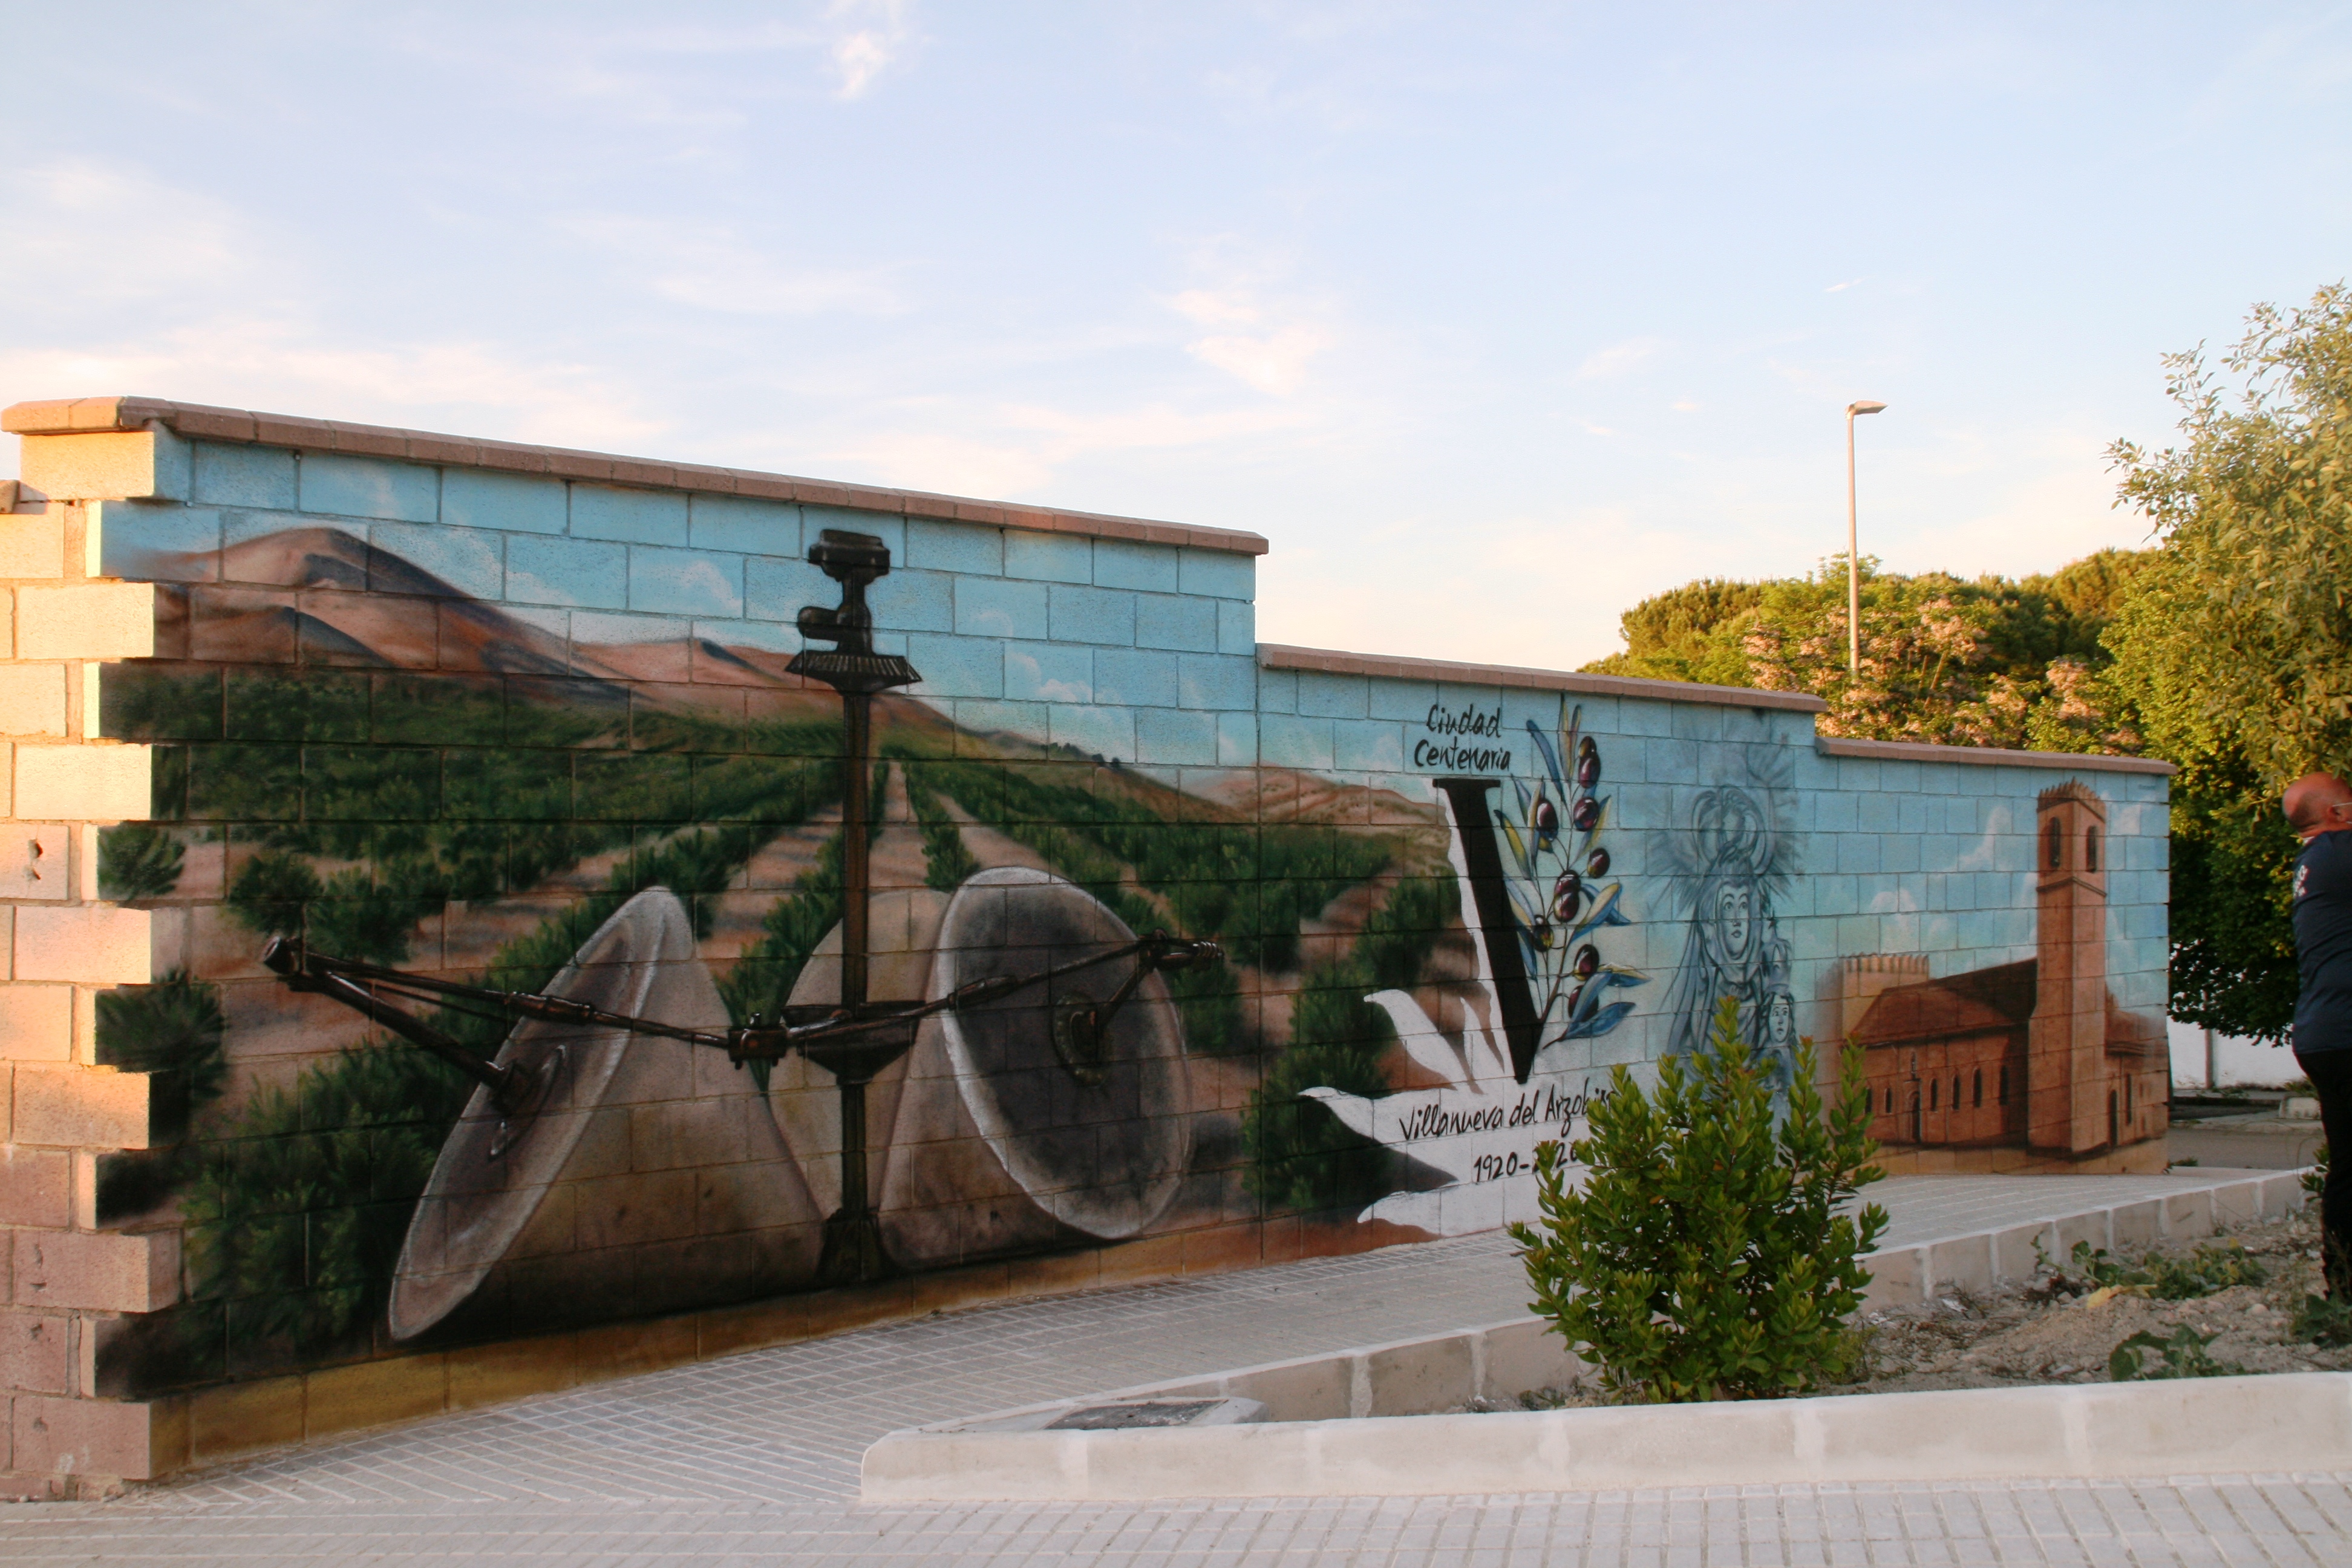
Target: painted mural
(1129, 1001)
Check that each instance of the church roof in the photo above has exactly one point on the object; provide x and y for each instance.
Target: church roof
(1982, 1001)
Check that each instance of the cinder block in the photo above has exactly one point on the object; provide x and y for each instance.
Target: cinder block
(243, 1417)
(1218, 574)
(99, 1272)
(2189, 1214)
(97, 1436)
(97, 944)
(117, 465)
(345, 485)
(516, 1369)
(1135, 677)
(2093, 1227)
(2138, 1223)
(82, 1107)
(1965, 1262)
(509, 503)
(33, 546)
(374, 1394)
(2238, 1203)
(1421, 1376)
(1898, 1276)
(2013, 1250)
(637, 516)
(1311, 1390)
(261, 477)
(1524, 1357)
(36, 861)
(35, 1186)
(2282, 1195)
(87, 620)
(33, 700)
(150, 543)
(84, 783)
(36, 1352)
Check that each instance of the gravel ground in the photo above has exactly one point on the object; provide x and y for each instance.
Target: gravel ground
(2066, 1324)
(2062, 1327)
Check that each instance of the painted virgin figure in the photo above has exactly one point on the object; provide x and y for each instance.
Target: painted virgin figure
(1736, 857)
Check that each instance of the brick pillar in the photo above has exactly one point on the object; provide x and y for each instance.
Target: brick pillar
(65, 1279)
(2066, 1075)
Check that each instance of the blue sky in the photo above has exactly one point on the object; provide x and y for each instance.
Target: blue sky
(1492, 318)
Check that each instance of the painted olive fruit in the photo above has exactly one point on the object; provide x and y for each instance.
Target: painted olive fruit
(1588, 763)
(1587, 814)
(1566, 897)
(1546, 816)
(1587, 960)
(1596, 865)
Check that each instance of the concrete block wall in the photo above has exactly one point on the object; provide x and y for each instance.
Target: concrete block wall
(66, 1277)
(448, 704)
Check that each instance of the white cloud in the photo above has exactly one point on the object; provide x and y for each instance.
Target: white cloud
(1841, 287)
(715, 269)
(1275, 363)
(861, 53)
(1014, 449)
(1617, 359)
(1211, 309)
(469, 387)
(90, 231)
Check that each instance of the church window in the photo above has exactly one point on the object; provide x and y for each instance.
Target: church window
(1933, 1087)
(2091, 847)
(1978, 1097)
(2053, 841)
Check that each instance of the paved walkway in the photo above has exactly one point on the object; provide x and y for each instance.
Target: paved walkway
(754, 1458)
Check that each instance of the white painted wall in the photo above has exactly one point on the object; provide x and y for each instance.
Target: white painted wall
(2239, 1061)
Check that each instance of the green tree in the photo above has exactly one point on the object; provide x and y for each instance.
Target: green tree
(2233, 650)
(2247, 639)
(1967, 661)
(1707, 1256)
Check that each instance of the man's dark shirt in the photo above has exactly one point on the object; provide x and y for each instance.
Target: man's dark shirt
(2323, 944)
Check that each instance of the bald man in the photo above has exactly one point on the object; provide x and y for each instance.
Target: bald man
(2319, 809)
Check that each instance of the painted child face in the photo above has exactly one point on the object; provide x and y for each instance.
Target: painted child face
(1734, 911)
(1782, 1019)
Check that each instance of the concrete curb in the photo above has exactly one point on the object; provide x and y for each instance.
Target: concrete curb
(2096, 1431)
(1334, 1427)
(1981, 1260)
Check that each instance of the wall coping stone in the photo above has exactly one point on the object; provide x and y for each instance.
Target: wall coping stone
(196, 421)
(1330, 661)
(1987, 756)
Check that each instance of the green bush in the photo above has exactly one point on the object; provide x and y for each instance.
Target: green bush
(1705, 1258)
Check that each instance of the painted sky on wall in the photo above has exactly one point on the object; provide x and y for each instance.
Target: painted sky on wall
(1492, 318)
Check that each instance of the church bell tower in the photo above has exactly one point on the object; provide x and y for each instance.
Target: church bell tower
(2066, 1076)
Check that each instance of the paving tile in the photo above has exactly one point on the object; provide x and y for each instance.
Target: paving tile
(753, 1458)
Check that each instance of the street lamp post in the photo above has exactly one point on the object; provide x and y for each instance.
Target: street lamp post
(1853, 543)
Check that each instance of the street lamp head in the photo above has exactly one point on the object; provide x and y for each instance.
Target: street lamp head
(1864, 406)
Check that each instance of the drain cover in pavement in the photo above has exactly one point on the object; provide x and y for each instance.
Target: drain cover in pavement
(1141, 1412)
